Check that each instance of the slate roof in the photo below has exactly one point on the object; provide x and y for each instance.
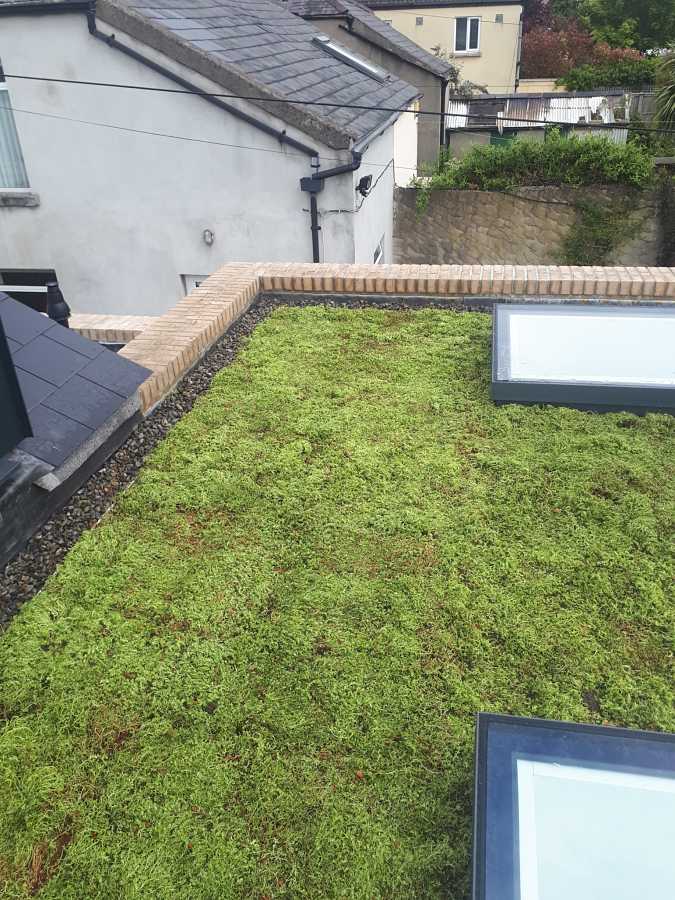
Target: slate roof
(375, 30)
(258, 48)
(70, 385)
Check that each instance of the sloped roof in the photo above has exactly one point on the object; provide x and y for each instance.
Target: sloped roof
(258, 48)
(71, 386)
(375, 30)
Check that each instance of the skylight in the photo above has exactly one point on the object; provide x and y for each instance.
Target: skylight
(586, 356)
(565, 810)
(356, 62)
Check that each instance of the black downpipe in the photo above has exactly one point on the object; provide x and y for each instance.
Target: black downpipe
(444, 90)
(316, 228)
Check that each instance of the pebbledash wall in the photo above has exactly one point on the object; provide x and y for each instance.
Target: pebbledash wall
(528, 225)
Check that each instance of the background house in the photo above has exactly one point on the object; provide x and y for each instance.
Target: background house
(353, 25)
(131, 196)
(482, 38)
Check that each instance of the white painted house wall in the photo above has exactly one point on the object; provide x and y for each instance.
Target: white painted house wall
(121, 214)
(375, 218)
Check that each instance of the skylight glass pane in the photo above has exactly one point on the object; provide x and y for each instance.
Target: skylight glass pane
(460, 33)
(636, 349)
(597, 357)
(569, 842)
(565, 811)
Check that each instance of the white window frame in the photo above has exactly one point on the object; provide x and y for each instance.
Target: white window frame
(4, 91)
(467, 51)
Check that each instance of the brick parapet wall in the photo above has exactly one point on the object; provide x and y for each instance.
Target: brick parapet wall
(171, 344)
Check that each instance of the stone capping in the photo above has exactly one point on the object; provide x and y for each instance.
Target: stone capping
(171, 344)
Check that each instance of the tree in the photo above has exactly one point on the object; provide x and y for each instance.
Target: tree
(643, 24)
(549, 52)
(665, 96)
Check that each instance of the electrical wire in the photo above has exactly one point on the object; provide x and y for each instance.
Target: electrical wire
(194, 140)
(322, 103)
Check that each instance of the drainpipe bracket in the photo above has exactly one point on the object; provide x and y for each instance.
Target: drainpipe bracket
(311, 185)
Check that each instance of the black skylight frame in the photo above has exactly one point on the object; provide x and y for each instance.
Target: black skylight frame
(593, 396)
(495, 841)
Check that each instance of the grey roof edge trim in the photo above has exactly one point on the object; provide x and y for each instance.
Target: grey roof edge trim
(228, 77)
(363, 30)
(36, 7)
(54, 478)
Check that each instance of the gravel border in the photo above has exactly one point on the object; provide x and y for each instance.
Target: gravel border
(27, 573)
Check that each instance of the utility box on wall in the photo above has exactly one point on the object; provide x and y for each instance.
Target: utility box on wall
(13, 415)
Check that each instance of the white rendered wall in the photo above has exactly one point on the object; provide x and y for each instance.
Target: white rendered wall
(405, 147)
(376, 216)
(121, 215)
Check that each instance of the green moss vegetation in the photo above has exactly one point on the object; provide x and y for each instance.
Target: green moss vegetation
(258, 676)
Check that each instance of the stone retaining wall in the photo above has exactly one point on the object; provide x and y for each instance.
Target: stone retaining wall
(529, 225)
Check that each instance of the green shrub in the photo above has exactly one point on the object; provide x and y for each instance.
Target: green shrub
(599, 230)
(626, 73)
(557, 160)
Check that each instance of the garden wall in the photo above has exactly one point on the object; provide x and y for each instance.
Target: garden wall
(527, 227)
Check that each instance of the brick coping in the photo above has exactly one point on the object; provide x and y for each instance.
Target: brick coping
(171, 344)
(110, 329)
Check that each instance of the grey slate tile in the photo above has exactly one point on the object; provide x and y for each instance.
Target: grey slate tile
(74, 341)
(55, 436)
(33, 389)
(84, 401)
(115, 373)
(50, 360)
(21, 323)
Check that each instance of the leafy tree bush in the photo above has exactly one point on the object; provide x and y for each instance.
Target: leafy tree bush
(665, 98)
(644, 24)
(555, 161)
(625, 72)
(561, 45)
(550, 51)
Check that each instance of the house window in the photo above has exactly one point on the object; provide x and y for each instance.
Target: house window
(378, 255)
(467, 34)
(419, 20)
(499, 18)
(12, 168)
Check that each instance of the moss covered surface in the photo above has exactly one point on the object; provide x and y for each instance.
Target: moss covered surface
(258, 676)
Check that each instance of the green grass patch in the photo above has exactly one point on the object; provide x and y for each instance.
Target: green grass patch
(257, 678)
